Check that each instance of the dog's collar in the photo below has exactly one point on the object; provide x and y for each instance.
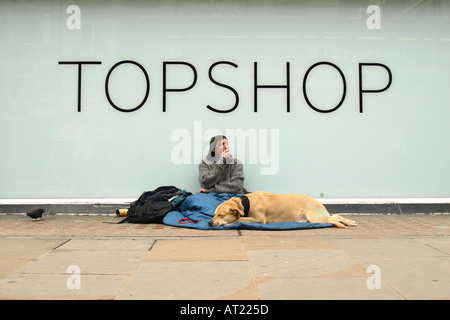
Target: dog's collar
(245, 204)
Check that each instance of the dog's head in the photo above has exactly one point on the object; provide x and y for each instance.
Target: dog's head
(227, 213)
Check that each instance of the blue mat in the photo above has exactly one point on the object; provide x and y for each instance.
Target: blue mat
(198, 209)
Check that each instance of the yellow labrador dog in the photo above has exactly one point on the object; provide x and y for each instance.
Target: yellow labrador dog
(264, 207)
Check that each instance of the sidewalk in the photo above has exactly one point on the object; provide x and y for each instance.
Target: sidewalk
(92, 257)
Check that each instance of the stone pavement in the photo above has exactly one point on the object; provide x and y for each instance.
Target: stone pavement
(93, 257)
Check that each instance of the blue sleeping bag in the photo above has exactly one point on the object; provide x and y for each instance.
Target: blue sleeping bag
(198, 209)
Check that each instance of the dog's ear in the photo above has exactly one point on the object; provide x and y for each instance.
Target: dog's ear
(237, 213)
(239, 204)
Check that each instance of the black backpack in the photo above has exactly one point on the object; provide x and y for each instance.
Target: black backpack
(152, 206)
(149, 212)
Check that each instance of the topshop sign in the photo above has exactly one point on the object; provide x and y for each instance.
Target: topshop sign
(288, 87)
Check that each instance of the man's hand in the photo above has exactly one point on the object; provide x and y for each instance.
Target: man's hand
(227, 157)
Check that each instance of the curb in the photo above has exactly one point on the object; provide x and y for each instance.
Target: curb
(333, 208)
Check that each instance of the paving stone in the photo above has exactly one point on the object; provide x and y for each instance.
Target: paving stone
(385, 247)
(110, 244)
(17, 252)
(354, 288)
(189, 280)
(414, 277)
(54, 286)
(285, 242)
(441, 244)
(197, 250)
(298, 263)
(415, 268)
(92, 257)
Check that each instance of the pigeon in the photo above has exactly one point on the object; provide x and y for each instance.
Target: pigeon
(36, 214)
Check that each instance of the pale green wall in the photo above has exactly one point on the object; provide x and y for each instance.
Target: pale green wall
(398, 146)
